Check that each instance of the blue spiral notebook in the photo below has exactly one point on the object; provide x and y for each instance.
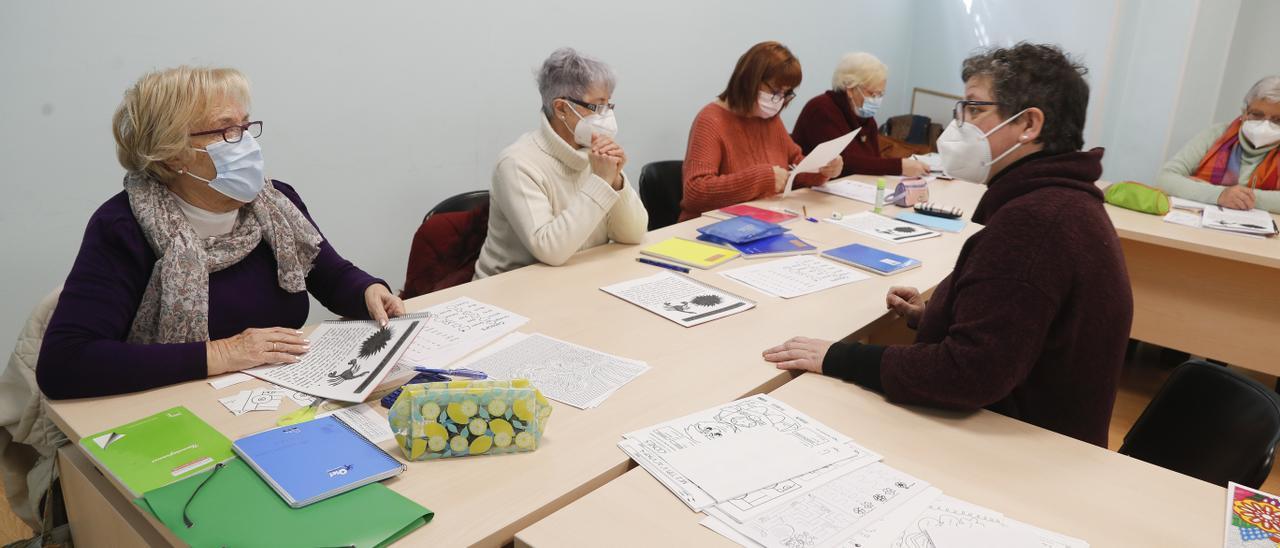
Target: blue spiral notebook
(315, 460)
(870, 258)
(737, 230)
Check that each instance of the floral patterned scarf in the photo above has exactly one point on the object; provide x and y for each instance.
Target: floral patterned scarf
(175, 305)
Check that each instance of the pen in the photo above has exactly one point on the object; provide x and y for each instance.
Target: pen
(667, 266)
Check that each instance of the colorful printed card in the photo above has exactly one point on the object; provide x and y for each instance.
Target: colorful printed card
(1253, 518)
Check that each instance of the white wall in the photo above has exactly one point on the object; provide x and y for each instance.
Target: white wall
(1204, 69)
(1253, 55)
(374, 111)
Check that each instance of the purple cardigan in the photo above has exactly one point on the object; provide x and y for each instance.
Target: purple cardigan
(84, 352)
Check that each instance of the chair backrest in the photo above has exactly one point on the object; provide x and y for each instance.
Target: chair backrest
(447, 244)
(466, 201)
(1210, 423)
(661, 189)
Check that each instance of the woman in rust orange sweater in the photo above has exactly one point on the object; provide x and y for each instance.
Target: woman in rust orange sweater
(738, 148)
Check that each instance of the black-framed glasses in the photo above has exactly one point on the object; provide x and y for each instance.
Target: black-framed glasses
(593, 107)
(968, 110)
(233, 134)
(186, 520)
(781, 96)
(1254, 116)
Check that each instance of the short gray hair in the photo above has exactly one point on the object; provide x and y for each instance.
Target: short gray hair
(567, 73)
(857, 69)
(1267, 89)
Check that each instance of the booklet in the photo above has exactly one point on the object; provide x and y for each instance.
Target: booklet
(679, 298)
(158, 450)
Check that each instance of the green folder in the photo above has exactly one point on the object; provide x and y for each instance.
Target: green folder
(158, 450)
(236, 508)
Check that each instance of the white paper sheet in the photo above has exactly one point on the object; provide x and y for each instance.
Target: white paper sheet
(737, 448)
(679, 298)
(347, 360)
(230, 379)
(1185, 218)
(258, 399)
(795, 276)
(1182, 203)
(907, 526)
(1256, 221)
(718, 525)
(365, 420)
(563, 371)
(757, 502)
(890, 230)
(825, 517)
(1048, 539)
(452, 330)
(820, 156)
(965, 537)
(853, 190)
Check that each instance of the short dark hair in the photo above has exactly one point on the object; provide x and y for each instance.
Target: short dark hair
(1042, 76)
(769, 62)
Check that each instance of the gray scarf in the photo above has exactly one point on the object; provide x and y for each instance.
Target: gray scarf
(175, 305)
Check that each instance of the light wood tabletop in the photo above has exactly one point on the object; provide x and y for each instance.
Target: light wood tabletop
(1025, 472)
(485, 500)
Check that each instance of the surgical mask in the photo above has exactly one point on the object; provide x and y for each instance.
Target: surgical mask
(768, 106)
(1260, 133)
(593, 123)
(966, 152)
(241, 169)
(870, 105)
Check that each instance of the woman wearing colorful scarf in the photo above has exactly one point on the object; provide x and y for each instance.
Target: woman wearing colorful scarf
(1233, 164)
(201, 265)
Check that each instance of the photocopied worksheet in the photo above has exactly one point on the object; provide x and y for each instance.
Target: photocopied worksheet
(347, 360)
(882, 227)
(795, 276)
(679, 298)
(820, 156)
(853, 190)
(452, 330)
(737, 448)
(562, 371)
(757, 502)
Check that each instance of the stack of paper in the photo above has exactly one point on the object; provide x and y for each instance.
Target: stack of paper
(562, 371)
(795, 276)
(1256, 222)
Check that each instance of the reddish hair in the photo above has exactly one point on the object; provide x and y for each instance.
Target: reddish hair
(766, 62)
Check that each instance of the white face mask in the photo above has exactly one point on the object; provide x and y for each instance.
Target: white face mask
(768, 106)
(241, 169)
(1260, 133)
(593, 124)
(966, 152)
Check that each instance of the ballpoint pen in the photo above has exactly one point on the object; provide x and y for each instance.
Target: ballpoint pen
(661, 264)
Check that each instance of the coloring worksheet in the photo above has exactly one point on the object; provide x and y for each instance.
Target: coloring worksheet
(827, 516)
(891, 230)
(565, 372)
(908, 526)
(737, 448)
(452, 330)
(795, 276)
(679, 298)
(752, 504)
(347, 360)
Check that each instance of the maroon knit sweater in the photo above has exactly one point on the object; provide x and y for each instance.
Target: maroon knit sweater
(1033, 320)
(828, 116)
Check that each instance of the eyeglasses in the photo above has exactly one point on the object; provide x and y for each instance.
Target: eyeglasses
(1254, 116)
(968, 110)
(593, 107)
(186, 520)
(780, 96)
(233, 134)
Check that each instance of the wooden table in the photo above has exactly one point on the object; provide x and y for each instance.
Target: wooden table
(1202, 291)
(485, 500)
(1027, 473)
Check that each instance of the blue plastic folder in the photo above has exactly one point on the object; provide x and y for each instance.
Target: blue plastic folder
(870, 258)
(315, 460)
(929, 221)
(772, 246)
(737, 230)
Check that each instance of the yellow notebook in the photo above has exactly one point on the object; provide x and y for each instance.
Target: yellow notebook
(690, 252)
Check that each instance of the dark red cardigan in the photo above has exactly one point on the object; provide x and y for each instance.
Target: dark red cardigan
(828, 116)
(1033, 320)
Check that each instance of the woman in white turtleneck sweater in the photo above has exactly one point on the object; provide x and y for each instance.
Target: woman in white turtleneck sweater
(560, 188)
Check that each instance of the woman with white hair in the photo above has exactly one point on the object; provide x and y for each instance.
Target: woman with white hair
(560, 188)
(201, 265)
(1233, 164)
(857, 88)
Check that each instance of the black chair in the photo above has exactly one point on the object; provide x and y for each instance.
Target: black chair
(466, 201)
(1211, 423)
(661, 189)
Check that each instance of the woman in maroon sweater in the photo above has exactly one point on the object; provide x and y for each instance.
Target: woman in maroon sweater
(1033, 320)
(857, 87)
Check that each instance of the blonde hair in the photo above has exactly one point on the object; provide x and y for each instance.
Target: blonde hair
(858, 69)
(154, 120)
